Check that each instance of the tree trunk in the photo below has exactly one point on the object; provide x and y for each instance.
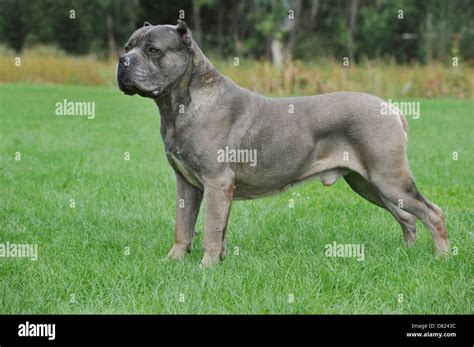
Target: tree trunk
(235, 29)
(111, 42)
(197, 32)
(277, 52)
(352, 24)
(313, 13)
(220, 21)
(294, 25)
(429, 37)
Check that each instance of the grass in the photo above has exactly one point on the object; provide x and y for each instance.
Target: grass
(82, 265)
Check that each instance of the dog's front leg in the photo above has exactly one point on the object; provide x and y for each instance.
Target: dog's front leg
(188, 201)
(218, 198)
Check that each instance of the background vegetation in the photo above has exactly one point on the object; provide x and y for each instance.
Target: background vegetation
(284, 47)
(424, 30)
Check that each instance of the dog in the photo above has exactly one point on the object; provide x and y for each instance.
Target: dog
(328, 136)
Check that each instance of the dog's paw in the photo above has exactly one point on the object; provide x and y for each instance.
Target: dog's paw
(442, 254)
(177, 252)
(443, 250)
(209, 259)
(410, 238)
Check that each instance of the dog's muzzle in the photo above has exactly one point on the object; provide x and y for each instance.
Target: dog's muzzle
(127, 84)
(123, 81)
(124, 61)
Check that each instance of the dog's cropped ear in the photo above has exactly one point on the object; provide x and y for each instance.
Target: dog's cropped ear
(184, 31)
(146, 24)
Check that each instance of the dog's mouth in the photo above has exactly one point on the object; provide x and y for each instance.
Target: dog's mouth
(127, 91)
(130, 88)
(149, 94)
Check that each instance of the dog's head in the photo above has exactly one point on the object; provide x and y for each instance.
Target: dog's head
(155, 59)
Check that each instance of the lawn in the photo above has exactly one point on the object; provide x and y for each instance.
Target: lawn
(105, 255)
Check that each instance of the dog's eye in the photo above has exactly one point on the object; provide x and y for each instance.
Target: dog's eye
(126, 48)
(153, 50)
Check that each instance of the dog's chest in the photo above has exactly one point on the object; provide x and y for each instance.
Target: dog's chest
(186, 170)
(179, 156)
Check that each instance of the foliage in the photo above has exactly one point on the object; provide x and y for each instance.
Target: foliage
(428, 30)
(382, 77)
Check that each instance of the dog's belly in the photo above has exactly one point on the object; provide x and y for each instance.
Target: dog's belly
(279, 176)
(246, 191)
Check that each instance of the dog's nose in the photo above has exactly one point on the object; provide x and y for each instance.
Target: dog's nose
(124, 60)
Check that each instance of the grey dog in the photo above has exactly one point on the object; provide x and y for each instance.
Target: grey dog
(328, 136)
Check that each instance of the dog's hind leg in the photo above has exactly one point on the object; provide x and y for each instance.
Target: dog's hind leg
(399, 188)
(366, 190)
(406, 220)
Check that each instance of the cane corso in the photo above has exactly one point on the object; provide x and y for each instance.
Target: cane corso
(209, 125)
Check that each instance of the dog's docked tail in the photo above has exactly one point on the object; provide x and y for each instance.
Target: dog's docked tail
(393, 110)
(404, 124)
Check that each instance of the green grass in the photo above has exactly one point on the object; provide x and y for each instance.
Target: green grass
(123, 204)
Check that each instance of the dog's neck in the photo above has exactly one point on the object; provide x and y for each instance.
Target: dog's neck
(199, 75)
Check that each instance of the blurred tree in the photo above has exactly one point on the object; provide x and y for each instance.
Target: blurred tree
(382, 28)
(108, 7)
(354, 6)
(197, 20)
(271, 29)
(15, 23)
